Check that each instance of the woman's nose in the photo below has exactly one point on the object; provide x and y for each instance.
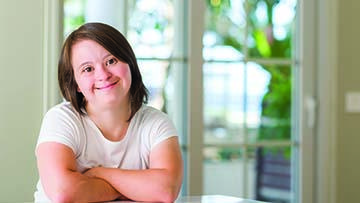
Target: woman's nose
(102, 73)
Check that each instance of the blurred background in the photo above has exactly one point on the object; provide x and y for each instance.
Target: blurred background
(264, 93)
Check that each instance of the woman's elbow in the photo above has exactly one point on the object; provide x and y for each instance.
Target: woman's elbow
(64, 194)
(172, 190)
(170, 194)
(168, 197)
(62, 197)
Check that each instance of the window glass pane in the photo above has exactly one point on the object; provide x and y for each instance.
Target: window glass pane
(257, 83)
(263, 106)
(225, 23)
(272, 174)
(155, 74)
(74, 15)
(151, 28)
(223, 104)
(151, 34)
(270, 27)
(224, 171)
(268, 102)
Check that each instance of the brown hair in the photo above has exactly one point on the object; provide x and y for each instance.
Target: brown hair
(114, 42)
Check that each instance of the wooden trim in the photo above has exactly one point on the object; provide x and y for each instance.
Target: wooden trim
(305, 85)
(53, 29)
(327, 94)
(195, 96)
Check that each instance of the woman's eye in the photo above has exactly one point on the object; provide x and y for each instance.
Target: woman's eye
(87, 69)
(111, 61)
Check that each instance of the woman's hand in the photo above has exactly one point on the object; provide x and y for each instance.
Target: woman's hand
(95, 173)
(91, 172)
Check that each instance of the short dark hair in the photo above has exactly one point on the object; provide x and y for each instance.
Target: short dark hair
(114, 42)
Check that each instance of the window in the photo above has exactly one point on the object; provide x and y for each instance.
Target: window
(248, 84)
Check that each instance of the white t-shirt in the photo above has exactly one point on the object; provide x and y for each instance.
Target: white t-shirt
(147, 128)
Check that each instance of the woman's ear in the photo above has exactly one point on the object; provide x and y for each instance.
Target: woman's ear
(78, 89)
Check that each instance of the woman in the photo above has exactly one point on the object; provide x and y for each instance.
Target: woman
(103, 143)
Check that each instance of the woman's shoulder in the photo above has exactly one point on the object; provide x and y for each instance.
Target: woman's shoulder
(150, 116)
(148, 112)
(63, 109)
(154, 125)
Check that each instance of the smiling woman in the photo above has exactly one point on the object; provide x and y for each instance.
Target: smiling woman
(101, 78)
(104, 143)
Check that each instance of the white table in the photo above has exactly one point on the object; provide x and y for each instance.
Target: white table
(214, 199)
(207, 199)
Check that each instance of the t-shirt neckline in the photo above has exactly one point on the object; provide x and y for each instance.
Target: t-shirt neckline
(129, 129)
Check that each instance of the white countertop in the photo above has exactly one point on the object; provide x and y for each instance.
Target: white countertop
(206, 199)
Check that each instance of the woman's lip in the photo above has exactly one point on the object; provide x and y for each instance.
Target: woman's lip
(107, 86)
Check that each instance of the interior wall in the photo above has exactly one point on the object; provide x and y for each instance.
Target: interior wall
(21, 51)
(348, 135)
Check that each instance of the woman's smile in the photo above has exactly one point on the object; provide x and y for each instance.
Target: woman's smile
(107, 86)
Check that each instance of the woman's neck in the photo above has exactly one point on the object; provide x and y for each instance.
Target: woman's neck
(112, 121)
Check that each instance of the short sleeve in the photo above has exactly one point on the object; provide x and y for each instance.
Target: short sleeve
(163, 128)
(62, 126)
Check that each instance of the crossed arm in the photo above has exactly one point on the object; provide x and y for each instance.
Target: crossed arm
(161, 182)
(62, 183)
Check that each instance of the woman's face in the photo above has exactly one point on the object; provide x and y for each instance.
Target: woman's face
(102, 79)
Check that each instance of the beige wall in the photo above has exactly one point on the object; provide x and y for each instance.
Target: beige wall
(348, 136)
(20, 96)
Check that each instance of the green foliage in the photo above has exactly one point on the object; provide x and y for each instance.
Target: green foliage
(262, 45)
(229, 153)
(73, 18)
(218, 7)
(75, 21)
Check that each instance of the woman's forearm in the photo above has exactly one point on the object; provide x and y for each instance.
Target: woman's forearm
(142, 185)
(62, 183)
(76, 187)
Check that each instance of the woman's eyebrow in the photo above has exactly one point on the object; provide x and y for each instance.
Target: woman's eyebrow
(107, 55)
(84, 63)
(88, 62)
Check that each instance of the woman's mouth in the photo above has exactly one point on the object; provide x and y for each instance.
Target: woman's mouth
(107, 86)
